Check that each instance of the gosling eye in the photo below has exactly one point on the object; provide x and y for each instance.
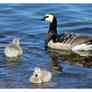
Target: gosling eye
(36, 75)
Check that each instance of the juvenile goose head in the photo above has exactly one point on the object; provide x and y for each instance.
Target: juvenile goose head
(16, 41)
(36, 72)
(13, 50)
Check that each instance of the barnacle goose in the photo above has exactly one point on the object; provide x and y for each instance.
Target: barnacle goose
(65, 41)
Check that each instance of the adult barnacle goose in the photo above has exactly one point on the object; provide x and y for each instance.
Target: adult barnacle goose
(65, 41)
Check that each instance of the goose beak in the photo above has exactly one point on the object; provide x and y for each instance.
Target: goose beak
(43, 19)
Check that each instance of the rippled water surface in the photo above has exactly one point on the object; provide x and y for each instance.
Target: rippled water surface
(70, 70)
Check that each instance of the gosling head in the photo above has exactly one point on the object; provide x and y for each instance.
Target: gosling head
(16, 41)
(49, 17)
(36, 72)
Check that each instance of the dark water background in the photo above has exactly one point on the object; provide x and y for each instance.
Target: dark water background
(70, 70)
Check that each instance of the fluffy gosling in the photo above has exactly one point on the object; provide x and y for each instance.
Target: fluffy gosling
(14, 49)
(40, 76)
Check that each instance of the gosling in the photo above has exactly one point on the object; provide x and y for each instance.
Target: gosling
(14, 49)
(40, 76)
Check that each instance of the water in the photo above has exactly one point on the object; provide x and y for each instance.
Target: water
(70, 70)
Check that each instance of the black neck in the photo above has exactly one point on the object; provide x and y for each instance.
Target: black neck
(52, 31)
(53, 26)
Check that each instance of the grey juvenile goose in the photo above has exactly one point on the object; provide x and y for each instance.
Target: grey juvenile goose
(13, 49)
(65, 41)
(40, 76)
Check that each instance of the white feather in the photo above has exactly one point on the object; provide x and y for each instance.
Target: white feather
(58, 45)
(82, 47)
(10, 52)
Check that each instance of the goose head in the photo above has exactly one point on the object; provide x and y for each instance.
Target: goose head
(53, 23)
(49, 17)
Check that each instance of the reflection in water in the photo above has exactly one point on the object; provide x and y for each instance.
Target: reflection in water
(62, 52)
(82, 58)
(12, 61)
(84, 53)
(39, 84)
(55, 64)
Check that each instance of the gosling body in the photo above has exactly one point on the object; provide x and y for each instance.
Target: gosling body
(40, 76)
(14, 49)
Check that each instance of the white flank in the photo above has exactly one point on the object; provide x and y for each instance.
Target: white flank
(82, 47)
(58, 45)
(11, 52)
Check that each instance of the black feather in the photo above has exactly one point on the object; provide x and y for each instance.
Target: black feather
(89, 42)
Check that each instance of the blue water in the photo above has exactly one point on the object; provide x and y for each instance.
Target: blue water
(70, 70)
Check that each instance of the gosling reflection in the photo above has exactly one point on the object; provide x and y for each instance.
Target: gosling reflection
(12, 61)
(39, 85)
(81, 58)
(55, 64)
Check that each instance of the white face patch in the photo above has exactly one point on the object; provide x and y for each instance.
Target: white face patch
(49, 18)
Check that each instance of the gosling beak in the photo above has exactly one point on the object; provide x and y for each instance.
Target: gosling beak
(43, 19)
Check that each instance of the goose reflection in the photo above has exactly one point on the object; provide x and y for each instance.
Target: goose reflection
(55, 63)
(81, 58)
(84, 53)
